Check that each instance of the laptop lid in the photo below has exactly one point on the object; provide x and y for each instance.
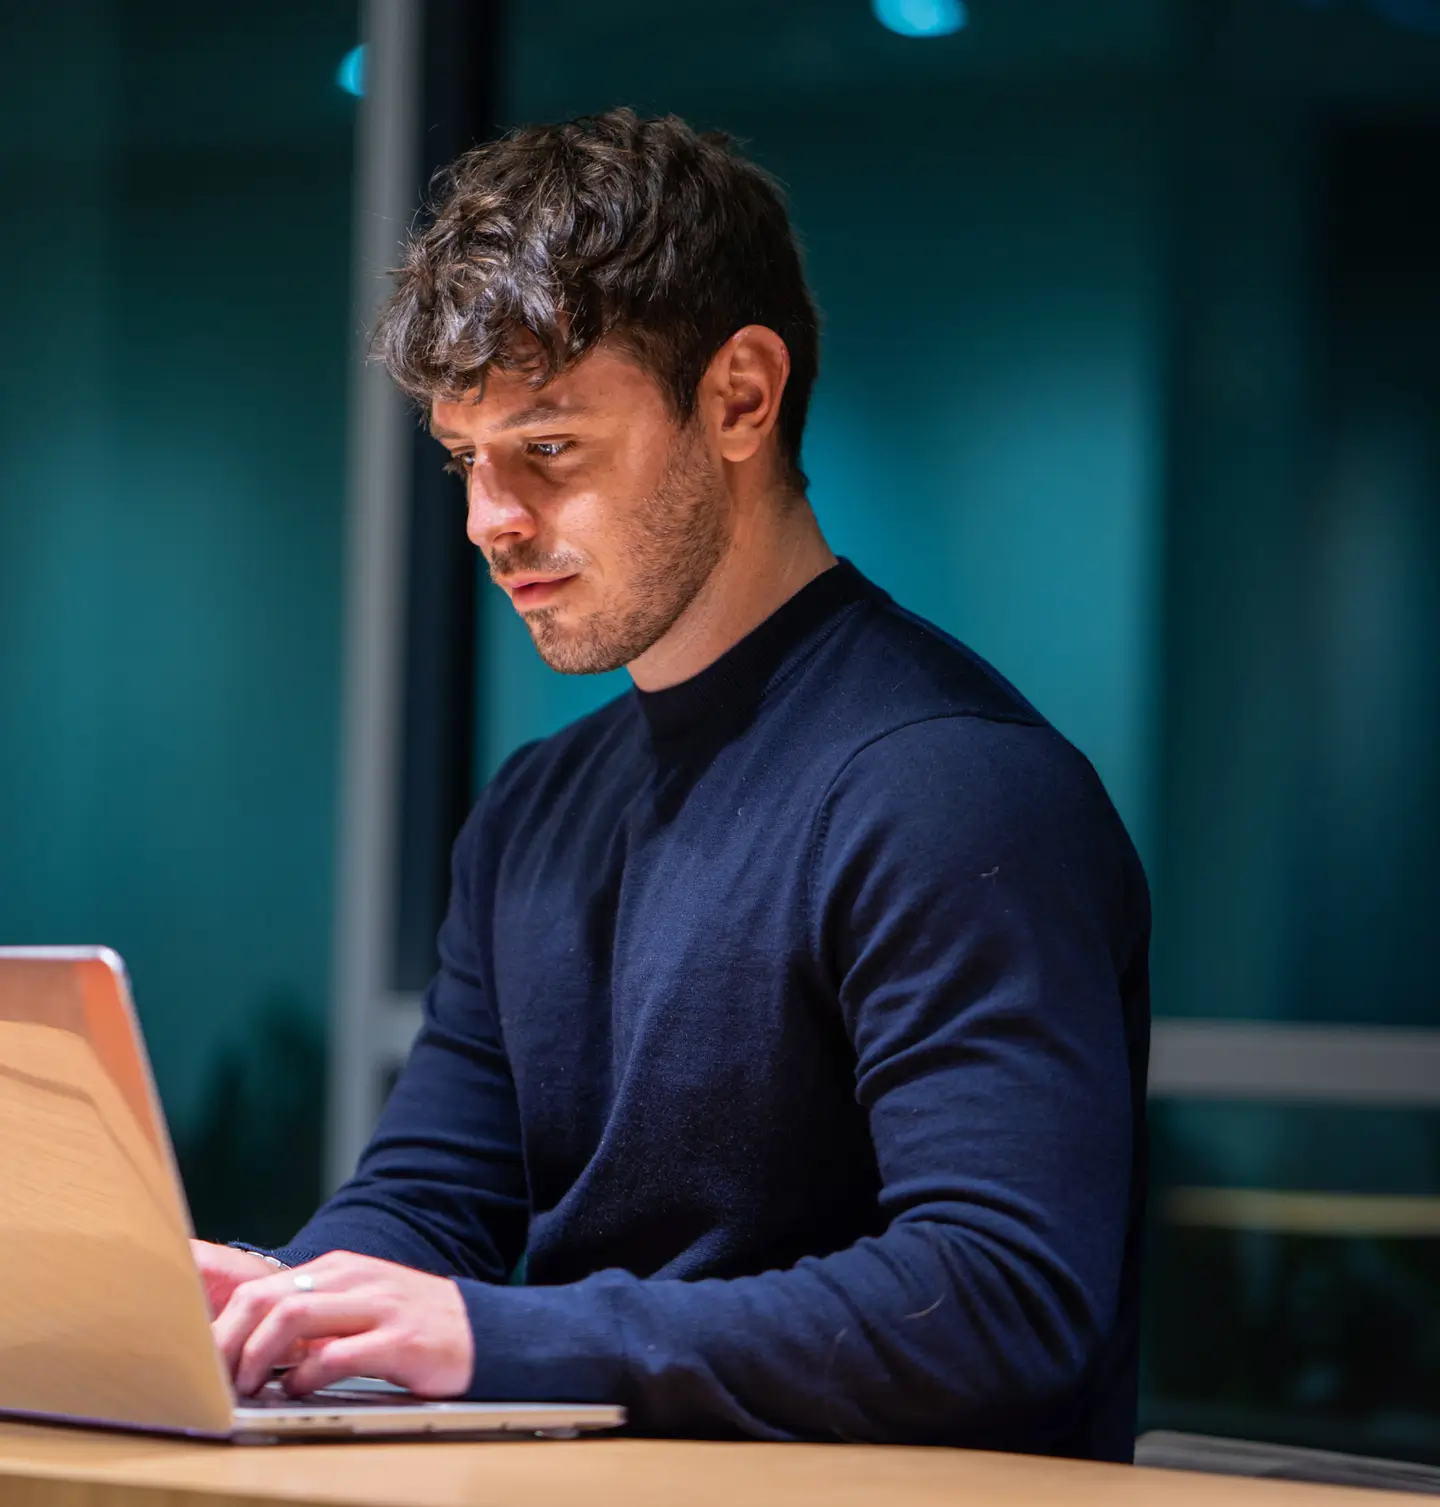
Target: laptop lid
(102, 1313)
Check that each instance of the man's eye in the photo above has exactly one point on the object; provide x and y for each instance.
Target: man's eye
(459, 465)
(549, 449)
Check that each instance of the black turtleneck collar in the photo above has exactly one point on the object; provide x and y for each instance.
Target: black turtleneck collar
(724, 695)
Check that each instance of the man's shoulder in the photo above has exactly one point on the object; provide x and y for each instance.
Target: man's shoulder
(885, 668)
(911, 714)
(938, 762)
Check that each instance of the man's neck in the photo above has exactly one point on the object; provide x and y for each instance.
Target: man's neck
(775, 551)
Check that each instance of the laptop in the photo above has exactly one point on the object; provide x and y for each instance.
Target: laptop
(103, 1318)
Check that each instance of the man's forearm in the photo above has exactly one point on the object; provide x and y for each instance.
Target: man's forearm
(928, 1334)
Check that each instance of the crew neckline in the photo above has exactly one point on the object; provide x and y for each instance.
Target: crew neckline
(732, 686)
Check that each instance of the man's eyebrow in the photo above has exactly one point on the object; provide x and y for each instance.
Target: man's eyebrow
(537, 413)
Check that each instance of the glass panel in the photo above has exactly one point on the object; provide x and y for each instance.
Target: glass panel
(1302, 797)
(1294, 1276)
(176, 225)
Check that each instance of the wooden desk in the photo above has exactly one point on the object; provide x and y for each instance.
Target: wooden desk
(44, 1467)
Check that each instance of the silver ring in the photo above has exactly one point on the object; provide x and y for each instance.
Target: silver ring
(304, 1282)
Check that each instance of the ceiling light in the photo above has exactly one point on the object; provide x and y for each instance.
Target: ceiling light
(350, 75)
(921, 18)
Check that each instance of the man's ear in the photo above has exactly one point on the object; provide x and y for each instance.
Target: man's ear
(741, 390)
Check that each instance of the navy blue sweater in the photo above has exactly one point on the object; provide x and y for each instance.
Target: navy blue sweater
(793, 1023)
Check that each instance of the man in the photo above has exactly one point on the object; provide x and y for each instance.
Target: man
(791, 1019)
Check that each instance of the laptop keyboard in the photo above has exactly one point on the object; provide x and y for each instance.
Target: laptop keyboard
(359, 1393)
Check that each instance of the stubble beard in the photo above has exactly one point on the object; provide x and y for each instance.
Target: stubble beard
(676, 538)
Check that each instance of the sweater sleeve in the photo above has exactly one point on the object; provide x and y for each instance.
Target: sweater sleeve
(441, 1186)
(973, 903)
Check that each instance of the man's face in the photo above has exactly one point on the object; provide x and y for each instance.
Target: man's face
(598, 515)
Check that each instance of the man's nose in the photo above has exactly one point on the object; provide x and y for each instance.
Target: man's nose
(495, 517)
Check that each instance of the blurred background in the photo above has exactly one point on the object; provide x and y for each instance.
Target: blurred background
(1131, 379)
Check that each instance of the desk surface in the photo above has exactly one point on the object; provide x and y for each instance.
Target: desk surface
(46, 1467)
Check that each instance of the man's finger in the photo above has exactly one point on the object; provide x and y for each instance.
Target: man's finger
(300, 1316)
(328, 1361)
(247, 1305)
(252, 1300)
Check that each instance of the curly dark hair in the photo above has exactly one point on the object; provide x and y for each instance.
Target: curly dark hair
(541, 244)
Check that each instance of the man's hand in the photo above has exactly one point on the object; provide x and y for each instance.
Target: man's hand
(361, 1317)
(223, 1269)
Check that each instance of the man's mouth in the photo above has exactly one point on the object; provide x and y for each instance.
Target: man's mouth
(530, 591)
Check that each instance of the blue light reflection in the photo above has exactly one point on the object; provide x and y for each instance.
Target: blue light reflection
(350, 75)
(921, 18)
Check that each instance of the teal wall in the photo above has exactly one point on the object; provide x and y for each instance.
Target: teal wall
(986, 243)
(175, 229)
